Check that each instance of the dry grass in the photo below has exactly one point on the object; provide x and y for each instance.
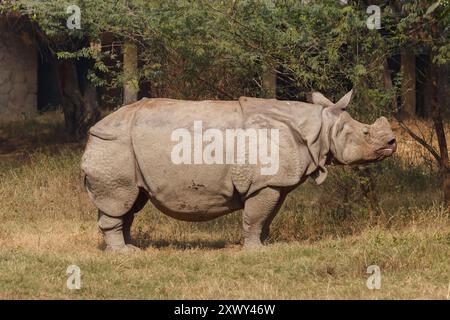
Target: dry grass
(317, 250)
(409, 150)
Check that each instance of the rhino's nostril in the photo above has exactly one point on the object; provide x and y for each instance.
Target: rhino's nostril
(392, 141)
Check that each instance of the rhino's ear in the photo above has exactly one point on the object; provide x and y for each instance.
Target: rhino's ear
(343, 102)
(320, 99)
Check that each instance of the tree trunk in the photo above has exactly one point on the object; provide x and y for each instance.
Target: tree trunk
(436, 114)
(269, 82)
(387, 81)
(408, 69)
(80, 110)
(91, 110)
(131, 86)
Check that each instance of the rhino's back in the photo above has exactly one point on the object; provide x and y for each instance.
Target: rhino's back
(186, 191)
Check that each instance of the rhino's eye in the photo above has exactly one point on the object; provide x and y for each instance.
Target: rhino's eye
(365, 130)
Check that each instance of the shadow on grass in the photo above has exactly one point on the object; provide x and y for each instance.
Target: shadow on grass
(145, 243)
(181, 245)
(144, 240)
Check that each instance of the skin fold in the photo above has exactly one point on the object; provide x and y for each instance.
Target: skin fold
(127, 160)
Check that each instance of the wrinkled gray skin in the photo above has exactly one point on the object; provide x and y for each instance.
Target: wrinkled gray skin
(127, 160)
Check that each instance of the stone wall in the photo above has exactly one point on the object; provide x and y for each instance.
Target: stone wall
(18, 76)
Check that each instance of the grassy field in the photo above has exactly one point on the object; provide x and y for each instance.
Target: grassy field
(321, 243)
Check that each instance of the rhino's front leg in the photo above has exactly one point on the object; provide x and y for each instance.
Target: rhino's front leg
(116, 231)
(258, 210)
(266, 227)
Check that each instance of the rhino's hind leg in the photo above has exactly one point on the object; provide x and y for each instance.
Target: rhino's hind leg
(113, 229)
(258, 209)
(117, 230)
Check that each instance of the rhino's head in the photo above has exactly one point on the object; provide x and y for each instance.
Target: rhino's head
(353, 142)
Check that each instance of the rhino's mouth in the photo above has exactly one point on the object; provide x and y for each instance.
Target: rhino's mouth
(387, 150)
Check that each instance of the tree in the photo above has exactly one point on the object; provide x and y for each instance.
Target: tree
(426, 24)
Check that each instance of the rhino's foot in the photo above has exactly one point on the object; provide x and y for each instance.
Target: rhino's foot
(116, 231)
(133, 248)
(252, 244)
(128, 248)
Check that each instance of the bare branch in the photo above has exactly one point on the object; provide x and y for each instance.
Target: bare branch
(425, 144)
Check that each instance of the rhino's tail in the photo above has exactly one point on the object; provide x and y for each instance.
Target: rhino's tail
(97, 132)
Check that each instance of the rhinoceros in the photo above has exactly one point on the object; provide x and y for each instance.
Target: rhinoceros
(129, 159)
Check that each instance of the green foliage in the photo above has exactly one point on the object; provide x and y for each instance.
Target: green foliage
(422, 26)
(220, 49)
